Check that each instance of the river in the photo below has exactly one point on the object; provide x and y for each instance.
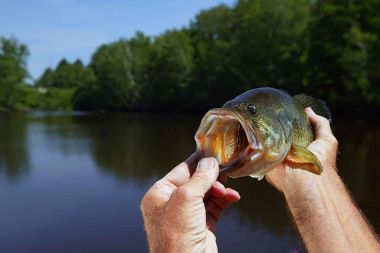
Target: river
(72, 182)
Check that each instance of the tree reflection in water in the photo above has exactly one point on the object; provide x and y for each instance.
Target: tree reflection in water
(13, 141)
(140, 148)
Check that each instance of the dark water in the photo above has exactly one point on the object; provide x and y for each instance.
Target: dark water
(73, 182)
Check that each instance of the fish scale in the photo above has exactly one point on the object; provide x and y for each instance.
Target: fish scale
(258, 130)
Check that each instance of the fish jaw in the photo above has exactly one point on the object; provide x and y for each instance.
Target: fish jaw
(227, 136)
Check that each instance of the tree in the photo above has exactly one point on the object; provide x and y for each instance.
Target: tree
(270, 42)
(170, 71)
(329, 49)
(120, 69)
(112, 68)
(13, 70)
(70, 75)
(46, 79)
(214, 76)
(344, 47)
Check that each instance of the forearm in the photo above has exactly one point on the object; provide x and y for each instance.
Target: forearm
(327, 218)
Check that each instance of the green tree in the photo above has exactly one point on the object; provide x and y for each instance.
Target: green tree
(214, 76)
(141, 47)
(170, 70)
(327, 48)
(62, 74)
(69, 75)
(120, 71)
(270, 42)
(344, 47)
(46, 79)
(370, 24)
(13, 71)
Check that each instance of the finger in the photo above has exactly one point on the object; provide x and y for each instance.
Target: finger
(202, 180)
(320, 124)
(157, 196)
(232, 195)
(216, 206)
(217, 191)
(182, 172)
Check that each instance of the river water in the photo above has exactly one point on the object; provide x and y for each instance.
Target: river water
(72, 182)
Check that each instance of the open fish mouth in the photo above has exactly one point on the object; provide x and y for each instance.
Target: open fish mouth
(225, 135)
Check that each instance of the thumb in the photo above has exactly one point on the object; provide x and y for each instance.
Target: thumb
(203, 178)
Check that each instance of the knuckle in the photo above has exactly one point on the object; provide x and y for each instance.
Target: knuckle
(184, 193)
(149, 197)
(143, 204)
(331, 141)
(202, 177)
(324, 121)
(334, 141)
(157, 185)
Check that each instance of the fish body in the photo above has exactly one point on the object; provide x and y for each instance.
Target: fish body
(258, 130)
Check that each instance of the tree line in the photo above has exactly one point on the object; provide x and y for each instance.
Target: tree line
(326, 48)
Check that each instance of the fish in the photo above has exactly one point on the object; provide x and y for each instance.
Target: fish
(259, 130)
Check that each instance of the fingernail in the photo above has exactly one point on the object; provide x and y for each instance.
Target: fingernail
(206, 163)
(310, 110)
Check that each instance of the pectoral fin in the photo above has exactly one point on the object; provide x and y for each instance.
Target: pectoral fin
(303, 158)
(272, 156)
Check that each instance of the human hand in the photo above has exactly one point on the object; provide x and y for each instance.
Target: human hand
(286, 179)
(181, 210)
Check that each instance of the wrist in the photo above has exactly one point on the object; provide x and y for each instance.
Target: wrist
(169, 243)
(301, 185)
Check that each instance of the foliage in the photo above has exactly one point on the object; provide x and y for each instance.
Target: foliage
(343, 63)
(326, 48)
(47, 98)
(215, 73)
(169, 72)
(13, 71)
(120, 69)
(66, 75)
(270, 42)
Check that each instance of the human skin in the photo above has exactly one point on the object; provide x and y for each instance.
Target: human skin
(326, 216)
(181, 210)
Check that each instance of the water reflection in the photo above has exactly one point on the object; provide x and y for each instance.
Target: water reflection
(358, 163)
(139, 146)
(136, 149)
(13, 151)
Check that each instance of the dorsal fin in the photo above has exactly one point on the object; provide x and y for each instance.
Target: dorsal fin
(318, 106)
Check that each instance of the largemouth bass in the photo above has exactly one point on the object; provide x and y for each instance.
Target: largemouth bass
(258, 130)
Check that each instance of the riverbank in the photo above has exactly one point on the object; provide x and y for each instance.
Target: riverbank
(62, 99)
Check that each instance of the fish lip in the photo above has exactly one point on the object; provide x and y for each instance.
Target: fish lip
(253, 141)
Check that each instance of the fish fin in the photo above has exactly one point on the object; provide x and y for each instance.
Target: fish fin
(272, 156)
(303, 158)
(259, 177)
(318, 106)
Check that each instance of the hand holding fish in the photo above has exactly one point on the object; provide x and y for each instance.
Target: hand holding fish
(262, 132)
(266, 132)
(181, 210)
(325, 215)
(286, 179)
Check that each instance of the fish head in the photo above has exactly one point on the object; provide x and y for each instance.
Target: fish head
(240, 135)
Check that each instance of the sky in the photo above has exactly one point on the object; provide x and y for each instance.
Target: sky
(71, 29)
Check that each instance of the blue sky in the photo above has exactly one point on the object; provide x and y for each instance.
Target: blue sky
(53, 29)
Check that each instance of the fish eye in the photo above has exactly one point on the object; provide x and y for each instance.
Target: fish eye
(252, 108)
